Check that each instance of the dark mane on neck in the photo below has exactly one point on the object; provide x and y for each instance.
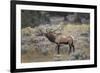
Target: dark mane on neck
(50, 36)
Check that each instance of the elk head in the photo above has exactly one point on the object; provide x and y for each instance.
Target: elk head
(51, 34)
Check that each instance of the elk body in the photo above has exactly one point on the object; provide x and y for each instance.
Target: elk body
(59, 39)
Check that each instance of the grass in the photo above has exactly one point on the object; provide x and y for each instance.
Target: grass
(78, 27)
(36, 54)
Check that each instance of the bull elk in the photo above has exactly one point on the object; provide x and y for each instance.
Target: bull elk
(59, 39)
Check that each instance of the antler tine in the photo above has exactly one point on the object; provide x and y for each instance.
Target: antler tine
(60, 27)
(56, 29)
(40, 30)
(47, 30)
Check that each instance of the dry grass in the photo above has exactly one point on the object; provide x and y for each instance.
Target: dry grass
(46, 50)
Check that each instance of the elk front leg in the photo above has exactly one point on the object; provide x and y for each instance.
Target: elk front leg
(69, 49)
(58, 49)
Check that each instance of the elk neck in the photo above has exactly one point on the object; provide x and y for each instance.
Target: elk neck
(51, 37)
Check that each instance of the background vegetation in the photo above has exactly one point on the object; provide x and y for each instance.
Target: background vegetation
(36, 48)
(35, 18)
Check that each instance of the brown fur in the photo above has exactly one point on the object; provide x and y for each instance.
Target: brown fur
(60, 39)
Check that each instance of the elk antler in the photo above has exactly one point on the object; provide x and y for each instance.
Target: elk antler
(60, 27)
(47, 30)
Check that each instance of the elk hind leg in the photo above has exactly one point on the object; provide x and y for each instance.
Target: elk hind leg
(73, 47)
